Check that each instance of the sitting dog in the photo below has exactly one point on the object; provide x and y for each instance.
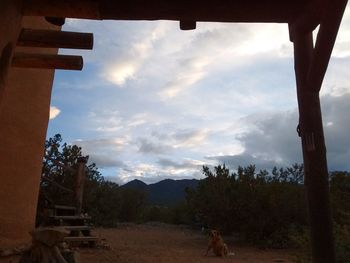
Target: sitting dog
(217, 244)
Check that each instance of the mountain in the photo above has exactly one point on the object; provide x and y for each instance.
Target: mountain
(136, 184)
(167, 192)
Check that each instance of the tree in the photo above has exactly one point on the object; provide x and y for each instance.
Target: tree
(101, 198)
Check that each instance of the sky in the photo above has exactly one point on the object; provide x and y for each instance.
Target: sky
(154, 102)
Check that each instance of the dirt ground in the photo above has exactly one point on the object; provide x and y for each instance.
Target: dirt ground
(160, 243)
(169, 244)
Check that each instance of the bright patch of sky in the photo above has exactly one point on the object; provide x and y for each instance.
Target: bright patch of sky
(155, 102)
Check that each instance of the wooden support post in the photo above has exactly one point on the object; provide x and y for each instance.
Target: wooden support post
(55, 39)
(310, 67)
(314, 155)
(47, 61)
(79, 188)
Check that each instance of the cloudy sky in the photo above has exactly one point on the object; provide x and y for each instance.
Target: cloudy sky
(155, 102)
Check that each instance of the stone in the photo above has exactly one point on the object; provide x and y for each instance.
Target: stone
(49, 236)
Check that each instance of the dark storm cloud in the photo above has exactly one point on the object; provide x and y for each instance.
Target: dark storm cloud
(272, 139)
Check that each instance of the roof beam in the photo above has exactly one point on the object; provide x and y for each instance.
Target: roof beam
(55, 39)
(179, 10)
(46, 61)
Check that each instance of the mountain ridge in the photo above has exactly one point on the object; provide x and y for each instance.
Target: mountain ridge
(166, 192)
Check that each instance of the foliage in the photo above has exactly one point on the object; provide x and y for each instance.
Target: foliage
(263, 208)
(103, 200)
(259, 206)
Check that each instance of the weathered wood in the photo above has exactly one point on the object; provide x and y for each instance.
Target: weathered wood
(187, 25)
(77, 228)
(326, 37)
(57, 21)
(64, 207)
(81, 239)
(55, 39)
(28, 60)
(314, 154)
(181, 10)
(72, 218)
(57, 184)
(63, 8)
(79, 187)
(5, 63)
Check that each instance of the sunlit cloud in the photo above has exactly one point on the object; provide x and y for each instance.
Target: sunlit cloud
(125, 66)
(54, 112)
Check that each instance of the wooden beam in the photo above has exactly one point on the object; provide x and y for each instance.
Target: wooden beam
(55, 39)
(187, 25)
(181, 10)
(25, 60)
(63, 8)
(326, 37)
(314, 154)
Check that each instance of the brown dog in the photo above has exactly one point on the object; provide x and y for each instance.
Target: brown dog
(217, 244)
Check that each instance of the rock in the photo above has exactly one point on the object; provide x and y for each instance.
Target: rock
(6, 252)
(49, 236)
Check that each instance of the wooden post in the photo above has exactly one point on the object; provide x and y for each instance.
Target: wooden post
(314, 155)
(79, 188)
(310, 67)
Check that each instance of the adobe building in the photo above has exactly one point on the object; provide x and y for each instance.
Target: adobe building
(28, 58)
(24, 113)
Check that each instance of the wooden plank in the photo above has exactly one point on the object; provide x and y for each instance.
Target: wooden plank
(77, 228)
(81, 239)
(71, 217)
(64, 207)
(181, 10)
(45, 61)
(55, 39)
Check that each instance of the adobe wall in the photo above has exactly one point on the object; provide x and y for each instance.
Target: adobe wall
(24, 115)
(10, 24)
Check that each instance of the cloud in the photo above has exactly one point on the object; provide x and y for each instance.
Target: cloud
(147, 146)
(54, 112)
(185, 165)
(105, 160)
(233, 161)
(96, 144)
(104, 152)
(190, 137)
(165, 144)
(151, 173)
(271, 138)
(129, 62)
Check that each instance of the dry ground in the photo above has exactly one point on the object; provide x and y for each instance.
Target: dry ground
(169, 244)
